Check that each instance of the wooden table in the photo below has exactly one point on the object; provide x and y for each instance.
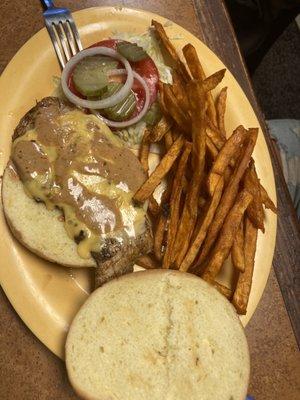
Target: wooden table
(28, 370)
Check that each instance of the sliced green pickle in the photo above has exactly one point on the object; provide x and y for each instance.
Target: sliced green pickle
(153, 115)
(131, 51)
(122, 110)
(90, 75)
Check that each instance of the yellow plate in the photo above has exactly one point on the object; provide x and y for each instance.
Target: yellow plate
(47, 296)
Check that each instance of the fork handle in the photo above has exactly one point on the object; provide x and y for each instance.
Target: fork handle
(47, 4)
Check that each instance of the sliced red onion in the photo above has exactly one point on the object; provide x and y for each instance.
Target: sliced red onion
(138, 117)
(96, 104)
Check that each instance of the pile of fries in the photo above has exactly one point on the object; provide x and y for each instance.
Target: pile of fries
(212, 206)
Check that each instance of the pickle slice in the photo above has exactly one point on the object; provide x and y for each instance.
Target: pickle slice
(122, 110)
(131, 51)
(153, 115)
(90, 75)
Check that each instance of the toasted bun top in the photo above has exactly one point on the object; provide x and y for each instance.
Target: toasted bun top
(157, 335)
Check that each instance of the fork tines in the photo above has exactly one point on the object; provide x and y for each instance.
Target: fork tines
(63, 33)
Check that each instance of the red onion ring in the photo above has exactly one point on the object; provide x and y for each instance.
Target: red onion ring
(97, 104)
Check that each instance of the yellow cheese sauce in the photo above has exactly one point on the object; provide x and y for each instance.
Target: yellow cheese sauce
(73, 161)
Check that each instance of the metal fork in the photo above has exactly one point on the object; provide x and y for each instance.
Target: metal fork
(62, 30)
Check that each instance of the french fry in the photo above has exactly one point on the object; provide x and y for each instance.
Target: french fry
(161, 225)
(193, 62)
(255, 210)
(168, 140)
(212, 81)
(162, 102)
(266, 200)
(175, 204)
(212, 150)
(144, 151)
(159, 130)
(211, 110)
(243, 288)
(213, 201)
(197, 99)
(174, 109)
(147, 262)
(148, 187)
(197, 72)
(201, 202)
(221, 108)
(179, 92)
(189, 214)
(228, 197)
(159, 237)
(175, 134)
(237, 251)
(227, 234)
(214, 135)
(224, 290)
(194, 248)
(153, 206)
(180, 67)
(230, 148)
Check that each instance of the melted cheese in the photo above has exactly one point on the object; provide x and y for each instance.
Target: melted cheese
(82, 134)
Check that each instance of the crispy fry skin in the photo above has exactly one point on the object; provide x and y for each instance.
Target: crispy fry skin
(227, 234)
(180, 67)
(224, 290)
(159, 235)
(221, 108)
(242, 291)
(212, 81)
(213, 133)
(255, 210)
(228, 197)
(179, 91)
(175, 204)
(189, 214)
(195, 246)
(174, 109)
(161, 223)
(211, 148)
(159, 130)
(237, 251)
(160, 172)
(230, 148)
(197, 72)
(153, 206)
(144, 151)
(193, 62)
(168, 139)
(266, 200)
(162, 102)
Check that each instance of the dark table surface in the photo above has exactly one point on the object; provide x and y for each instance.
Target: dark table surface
(28, 370)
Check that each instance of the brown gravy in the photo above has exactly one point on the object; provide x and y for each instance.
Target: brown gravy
(48, 157)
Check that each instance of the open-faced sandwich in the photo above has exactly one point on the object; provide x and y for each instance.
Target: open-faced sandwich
(75, 193)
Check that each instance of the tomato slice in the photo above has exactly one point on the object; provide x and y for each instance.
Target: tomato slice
(145, 68)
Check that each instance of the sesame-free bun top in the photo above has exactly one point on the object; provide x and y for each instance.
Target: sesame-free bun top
(156, 335)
